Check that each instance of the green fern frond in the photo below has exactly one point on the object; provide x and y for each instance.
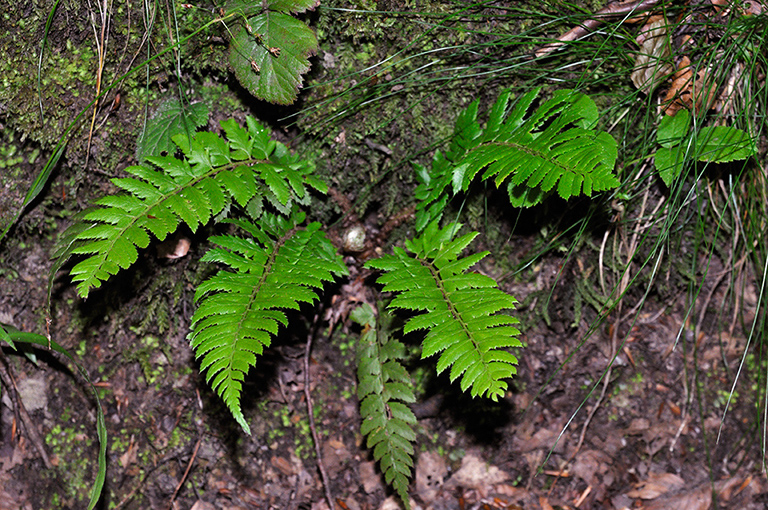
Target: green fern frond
(532, 153)
(460, 308)
(556, 145)
(278, 267)
(383, 390)
(433, 182)
(248, 169)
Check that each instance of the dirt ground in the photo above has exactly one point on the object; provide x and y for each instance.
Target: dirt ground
(648, 443)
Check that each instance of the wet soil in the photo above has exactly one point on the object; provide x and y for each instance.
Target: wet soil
(627, 413)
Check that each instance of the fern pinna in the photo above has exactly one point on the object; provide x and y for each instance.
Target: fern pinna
(279, 266)
(556, 145)
(383, 389)
(461, 308)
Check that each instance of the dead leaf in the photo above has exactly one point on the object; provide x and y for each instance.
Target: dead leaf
(698, 499)
(130, 456)
(694, 91)
(590, 463)
(392, 503)
(655, 485)
(545, 504)
(282, 465)
(475, 473)
(369, 477)
(430, 475)
(652, 63)
(335, 456)
(202, 505)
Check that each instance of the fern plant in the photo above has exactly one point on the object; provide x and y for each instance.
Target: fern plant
(556, 145)
(461, 308)
(279, 266)
(248, 169)
(249, 181)
(383, 389)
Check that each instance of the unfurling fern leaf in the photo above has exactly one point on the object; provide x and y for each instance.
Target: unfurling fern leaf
(383, 389)
(461, 308)
(555, 146)
(278, 267)
(248, 168)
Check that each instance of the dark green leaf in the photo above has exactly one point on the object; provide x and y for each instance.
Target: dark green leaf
(170, 119)
(270, 65)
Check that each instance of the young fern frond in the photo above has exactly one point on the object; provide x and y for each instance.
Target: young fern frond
(248, 168)
(383, 389)
(461, 308)
(554, 146)
(278, 267)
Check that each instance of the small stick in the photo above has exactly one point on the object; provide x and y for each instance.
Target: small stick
(18, 405)
(186, 472)
(611, 11)
(311, 415)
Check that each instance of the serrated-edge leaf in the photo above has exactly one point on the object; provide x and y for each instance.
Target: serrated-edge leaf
(460, 309)
(383, 387)
(238, 313)
(171, 118)
(274, 76)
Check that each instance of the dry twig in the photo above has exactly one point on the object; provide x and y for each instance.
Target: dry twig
(10, 384)
(613, 10)
(311, 415)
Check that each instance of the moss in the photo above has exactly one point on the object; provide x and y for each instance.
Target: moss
(153, 356)
(72, 447)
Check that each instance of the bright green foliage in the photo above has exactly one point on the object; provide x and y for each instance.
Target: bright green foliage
(170, 119)
(249, 168)
(714, 144)
(433, 182)
(279, 266)
(270, 49)
(554, 146)
(460, 308)
(383, 389)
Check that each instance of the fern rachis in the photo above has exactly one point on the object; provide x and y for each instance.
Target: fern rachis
(460, 309)
(280, 266)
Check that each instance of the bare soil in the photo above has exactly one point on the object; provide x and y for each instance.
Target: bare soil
(647, 433)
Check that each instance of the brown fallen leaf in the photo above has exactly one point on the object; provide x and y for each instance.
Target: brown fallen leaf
(655, 485)
(202, 505)
(475, 473)
(652, 62)
(130, 455)
(698, 499)
(283, 465)
(431, 471)
(369, 477)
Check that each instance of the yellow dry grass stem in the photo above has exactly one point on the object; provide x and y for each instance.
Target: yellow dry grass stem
(101, 38)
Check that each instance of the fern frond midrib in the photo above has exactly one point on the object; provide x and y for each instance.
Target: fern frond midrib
(529, 151)
(104, 253)
(257, 288)
(454, 312)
